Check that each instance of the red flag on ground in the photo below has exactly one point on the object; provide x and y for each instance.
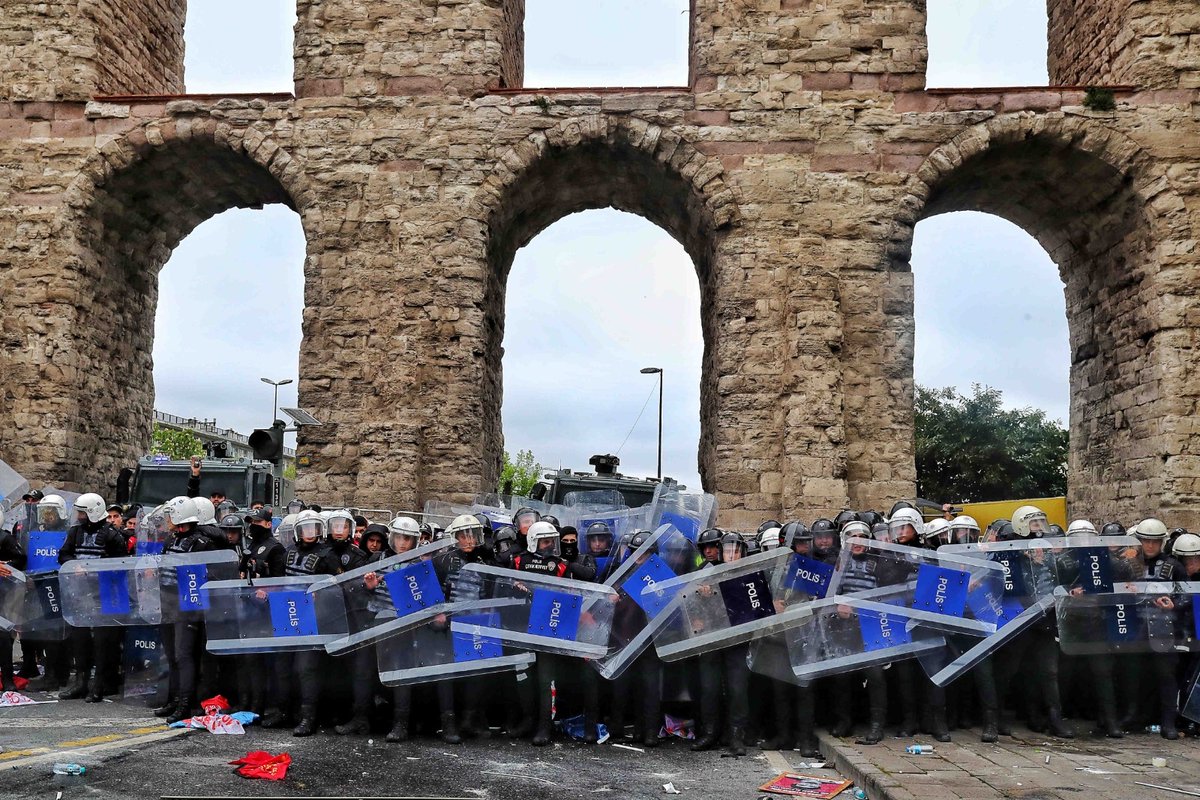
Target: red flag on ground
(261, 764)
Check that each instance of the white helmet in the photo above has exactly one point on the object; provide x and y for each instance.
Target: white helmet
(769, 539)
(403, 527)
(906, 516)
(1081, 527)
(309, 522)
(539, 532)
(1151, 528)
(466, 524)
(92, 505)
(205, 510)
(1030, 521)
(182, 510)
(52, 510)
(338, 522)
(935, 528)
(1188, 544)
(964, 530)
(855, 529)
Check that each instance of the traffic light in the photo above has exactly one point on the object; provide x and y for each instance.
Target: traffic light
(267, 443)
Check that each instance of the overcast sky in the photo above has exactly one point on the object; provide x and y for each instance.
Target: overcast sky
(989, 303)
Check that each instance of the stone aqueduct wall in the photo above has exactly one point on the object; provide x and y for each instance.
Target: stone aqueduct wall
(793, 170)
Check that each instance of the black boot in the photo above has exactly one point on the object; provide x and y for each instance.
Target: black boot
(878, 720)
(399, 731)
(356, 726)
(1106, 703)
(843, 724)
(183, 710)
(165, 711)
(94, 696)
(274, 718)
(475, 725)
(937, 724)
(651, 721)
(77, 689)
(308, 722)
(989, 733)
(1058, 726)
(590, 735)
(450, 734)
(541, 737)
(737, 742)
(708, 738)
(520, 722)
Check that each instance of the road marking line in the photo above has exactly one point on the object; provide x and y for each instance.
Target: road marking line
(47, 753)
(777, 761)
(18, 753)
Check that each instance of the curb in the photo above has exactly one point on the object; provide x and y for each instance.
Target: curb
(849, 762)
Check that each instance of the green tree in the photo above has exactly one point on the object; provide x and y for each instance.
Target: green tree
(970, 449)
(523, 472)
(174, 444)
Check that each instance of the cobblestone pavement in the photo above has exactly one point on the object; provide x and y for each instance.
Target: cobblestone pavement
(1025, 765)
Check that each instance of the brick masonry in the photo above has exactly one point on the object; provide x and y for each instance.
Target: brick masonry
(793, 170)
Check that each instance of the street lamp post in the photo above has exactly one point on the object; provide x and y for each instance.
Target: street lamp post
(659, 372)
(276, 384)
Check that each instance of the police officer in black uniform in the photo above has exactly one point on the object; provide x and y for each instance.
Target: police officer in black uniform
(1161, 618)
(93, 537)
(310, 555)
(12, 556)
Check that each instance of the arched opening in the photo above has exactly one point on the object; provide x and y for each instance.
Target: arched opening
(638, 169)
(236, 280)
(1078, 197)
(989, 312)
(599, 43)
(129, 225)
(234, 46)
(997, 43)
(592, 300)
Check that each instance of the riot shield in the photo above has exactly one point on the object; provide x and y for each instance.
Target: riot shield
(727, 604)
(101, 592)
(152, 532)
(41, 548)
(554, 615)
(12, 486)
(434, 652)
(441, 513)
(665, 555)
(42, 618)
(144, 666)
(182, 577)
(1190, 700)
(1033, 568)
(621, 521)
(690, 513)
(1135, 617)
(405, 594)
(272, 615)
(13, 589)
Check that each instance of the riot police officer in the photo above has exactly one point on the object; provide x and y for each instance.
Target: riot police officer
(1162, 621)
(543, 557)
(183, 518)
(341, 527)
(310, 555)
(12, 556)
(468, 540)
(92, 537)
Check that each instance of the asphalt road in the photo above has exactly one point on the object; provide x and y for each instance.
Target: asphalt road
(128, 753)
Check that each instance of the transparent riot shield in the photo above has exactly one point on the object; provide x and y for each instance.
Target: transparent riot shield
(152, 532)
(386, 598)
(285, 531)
(435, 652)
(1135, 617)
(1189, 705)
(595, 499)
(665, 555)
(272, 615)
(1033, 568)
(41, 548)
(727, 604)
(620, 521)
(182, 577)
(554, 615)
(12, 486)
(42, 618)
(144, 666)
(441, 513)
(101, 592)
(888, 602)
(690, 513)
(13, 590)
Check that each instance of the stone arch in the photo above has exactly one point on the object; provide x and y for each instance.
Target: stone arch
(599, 162)
(132, 203)
(1103, 210)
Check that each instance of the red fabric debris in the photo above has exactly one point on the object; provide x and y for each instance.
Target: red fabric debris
(215, 705)
(261, 764)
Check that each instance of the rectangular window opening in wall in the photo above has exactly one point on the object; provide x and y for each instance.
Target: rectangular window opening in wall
(234, 46)
(606, 43)
(997, 43)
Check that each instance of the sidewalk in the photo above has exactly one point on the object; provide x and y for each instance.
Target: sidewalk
(1085, 768)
